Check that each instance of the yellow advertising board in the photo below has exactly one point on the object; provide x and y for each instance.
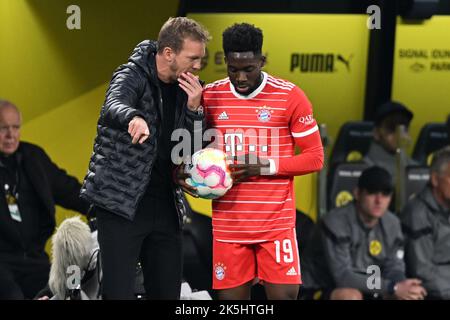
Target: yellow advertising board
(325, 55)
(422, 70)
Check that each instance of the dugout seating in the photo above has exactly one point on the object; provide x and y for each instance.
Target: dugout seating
(344, 180)
(432, 137)
(352, 142)
(416, 179)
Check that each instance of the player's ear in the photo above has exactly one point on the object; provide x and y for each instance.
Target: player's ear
(263, 61)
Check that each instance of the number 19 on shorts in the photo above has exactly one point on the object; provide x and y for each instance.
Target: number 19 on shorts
(286, 246)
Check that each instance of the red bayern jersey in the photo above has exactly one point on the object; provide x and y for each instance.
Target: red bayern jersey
(269, 122)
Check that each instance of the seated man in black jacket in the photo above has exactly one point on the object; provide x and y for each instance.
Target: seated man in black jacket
(31, 185)
(357, 250)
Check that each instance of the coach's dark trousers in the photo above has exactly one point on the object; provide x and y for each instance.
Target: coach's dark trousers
(154, 237)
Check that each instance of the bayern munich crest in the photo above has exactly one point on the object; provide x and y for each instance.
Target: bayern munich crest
(219, 271)
(264, 113)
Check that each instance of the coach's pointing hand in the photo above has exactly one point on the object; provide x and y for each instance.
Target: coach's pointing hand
(138, 130)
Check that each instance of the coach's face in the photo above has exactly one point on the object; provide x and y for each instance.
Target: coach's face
(189, 58)
(244, 70)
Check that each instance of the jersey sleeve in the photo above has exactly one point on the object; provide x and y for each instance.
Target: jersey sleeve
(306, 135)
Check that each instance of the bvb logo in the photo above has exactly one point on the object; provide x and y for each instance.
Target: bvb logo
(343, 198)
(354, 155)
(375, 248)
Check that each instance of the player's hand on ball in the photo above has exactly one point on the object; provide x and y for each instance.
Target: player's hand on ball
(246, 166)
(180, 178)
(138, 130)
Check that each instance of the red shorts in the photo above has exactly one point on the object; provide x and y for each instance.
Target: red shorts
(273, 261)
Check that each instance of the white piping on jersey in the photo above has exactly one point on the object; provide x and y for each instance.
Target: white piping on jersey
(268, 182)
(229, 91)
(262, 99)
(305, 133)
(296, 246)
(278, 86)
(247, 114)
(260, 202)
(260, 127)
(217, 83)
(242, 107)
(259, 190)
(280, 82)
(269, 225)
(254, 93)
(217, 91)
(247, 231)
(251, 211)
(253, 219)
(252, 136)
(250, 121)
(274, 93)
(265, 197)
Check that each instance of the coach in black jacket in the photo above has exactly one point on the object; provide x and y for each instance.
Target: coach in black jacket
(129, 181)
(31, 184)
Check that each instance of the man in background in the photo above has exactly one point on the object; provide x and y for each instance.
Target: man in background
(426, 224)
(383, 149)
(350, 239)
(31, 185)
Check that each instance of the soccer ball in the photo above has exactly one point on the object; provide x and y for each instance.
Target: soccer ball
(209, 173)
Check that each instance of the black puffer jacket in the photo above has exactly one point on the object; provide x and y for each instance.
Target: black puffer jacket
(119, 172)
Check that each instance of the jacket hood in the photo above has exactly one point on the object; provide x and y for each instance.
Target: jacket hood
(144, 56)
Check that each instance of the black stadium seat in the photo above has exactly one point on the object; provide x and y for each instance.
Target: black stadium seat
(345, 179)
(432, 137)
(416, 179)
(352, 142)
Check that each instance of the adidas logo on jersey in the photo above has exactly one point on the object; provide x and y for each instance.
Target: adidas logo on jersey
(291, 272)
(223, 116)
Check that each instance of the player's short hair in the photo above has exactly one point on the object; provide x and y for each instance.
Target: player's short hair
(440, 160)
(376, 179)
(242, 37)
(175, 30)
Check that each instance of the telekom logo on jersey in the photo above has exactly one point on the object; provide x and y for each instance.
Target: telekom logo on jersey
(236, 141)
(257, 142)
